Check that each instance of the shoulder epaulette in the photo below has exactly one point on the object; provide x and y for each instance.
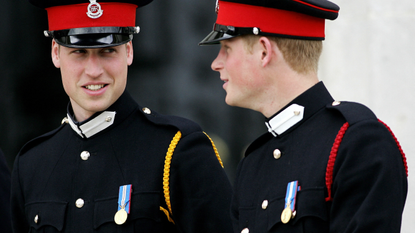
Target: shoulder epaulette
(184, 125)
(352, 112)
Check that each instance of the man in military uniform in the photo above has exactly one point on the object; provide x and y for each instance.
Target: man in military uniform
(113, 166)
(324, 165)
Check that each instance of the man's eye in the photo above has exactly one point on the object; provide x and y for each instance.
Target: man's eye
(225, 48)
(79, 51)
(108, 50)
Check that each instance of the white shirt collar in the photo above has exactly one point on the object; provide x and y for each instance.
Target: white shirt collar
(285, 119)
(94, 126)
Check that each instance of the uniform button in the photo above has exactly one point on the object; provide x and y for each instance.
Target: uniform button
(245, 230)
(36, 220)
(277, 154)
(264, 204)
(79, 203)
(85, 155)
(335, 103)
(108, 119)
(146, 110)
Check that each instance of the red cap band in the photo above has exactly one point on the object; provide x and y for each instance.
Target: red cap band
(75, 16)
(270, 20)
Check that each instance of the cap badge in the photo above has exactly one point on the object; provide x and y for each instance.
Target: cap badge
(217, 7)
(94, 10)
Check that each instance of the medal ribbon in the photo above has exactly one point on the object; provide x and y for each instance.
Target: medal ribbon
(124, 197)
(291, 195)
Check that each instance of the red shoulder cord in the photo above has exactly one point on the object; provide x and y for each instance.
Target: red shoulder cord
(332, 159)
(335, 148)
(399, 146)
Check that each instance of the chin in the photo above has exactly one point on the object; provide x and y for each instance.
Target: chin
(229, 102)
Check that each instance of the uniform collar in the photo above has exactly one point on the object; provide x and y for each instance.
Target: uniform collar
(102, 120)
(299, 110)
(94, 125)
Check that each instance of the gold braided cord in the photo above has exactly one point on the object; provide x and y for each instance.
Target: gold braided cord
(216, 150)
(166, 212)
(166, 174)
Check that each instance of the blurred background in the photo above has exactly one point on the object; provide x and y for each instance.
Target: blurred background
(368, 57)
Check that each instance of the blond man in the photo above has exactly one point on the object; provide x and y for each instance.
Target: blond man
(324, 165)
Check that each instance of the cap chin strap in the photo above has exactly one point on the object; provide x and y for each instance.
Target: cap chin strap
(94, 37)
(223, 32)
(92, 30)
(236, 31)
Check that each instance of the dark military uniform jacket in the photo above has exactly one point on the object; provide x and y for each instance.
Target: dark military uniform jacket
(68, 180)
(5, 222)
(368, 182)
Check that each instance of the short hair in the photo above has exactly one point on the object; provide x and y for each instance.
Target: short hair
(301, 55)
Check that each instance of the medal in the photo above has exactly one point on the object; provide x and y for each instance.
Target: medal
(120, 217)
(286, 215)
(124, 201)
(290, 198)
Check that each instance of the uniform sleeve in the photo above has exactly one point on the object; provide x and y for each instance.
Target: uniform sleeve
(370, 182)
(19, 222)
(200, 189)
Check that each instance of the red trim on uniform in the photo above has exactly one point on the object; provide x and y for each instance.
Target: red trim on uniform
(335, 148)
(332, 159)
(74, 16)
(399, 147)
(313, 6)
(270, 20)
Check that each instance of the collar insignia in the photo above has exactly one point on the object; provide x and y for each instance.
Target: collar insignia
(285, 119)
(94, 126)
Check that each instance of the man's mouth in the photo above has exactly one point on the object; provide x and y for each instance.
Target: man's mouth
(94, 87)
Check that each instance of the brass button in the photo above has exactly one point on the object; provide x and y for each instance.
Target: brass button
(264, 204)
(108, 119)
(79, 203)
(85, 155)
(146, 110)
(36, 220)
(335, 103)
(277, 154)
(245, 230)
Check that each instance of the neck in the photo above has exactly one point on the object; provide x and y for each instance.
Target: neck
(284, 91)
(79, 113)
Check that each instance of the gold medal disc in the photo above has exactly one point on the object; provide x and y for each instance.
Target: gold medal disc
(286, 215)
(120, 217)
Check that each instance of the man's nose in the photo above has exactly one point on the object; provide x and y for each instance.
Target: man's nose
(217, 64)
(93, 67)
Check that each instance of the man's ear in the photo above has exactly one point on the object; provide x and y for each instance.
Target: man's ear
(55, 54)
(266, 50)
(130, 53)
